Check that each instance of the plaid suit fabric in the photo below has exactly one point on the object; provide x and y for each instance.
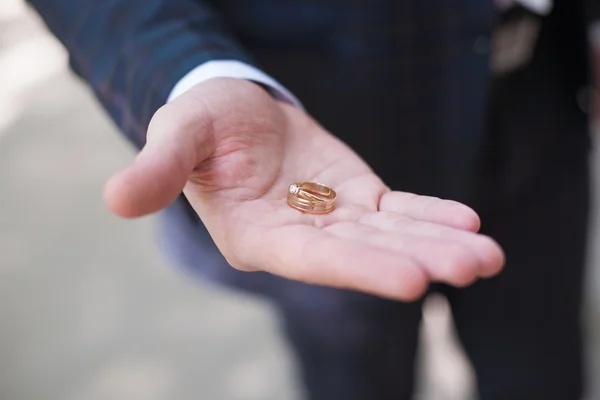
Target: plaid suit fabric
(132, 52)
(417, 57)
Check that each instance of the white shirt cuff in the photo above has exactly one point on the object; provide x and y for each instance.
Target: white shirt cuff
(541, 7)
(232, 69)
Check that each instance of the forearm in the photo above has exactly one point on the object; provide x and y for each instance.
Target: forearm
(133, 52)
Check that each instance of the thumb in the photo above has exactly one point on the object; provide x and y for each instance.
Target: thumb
(179, 138)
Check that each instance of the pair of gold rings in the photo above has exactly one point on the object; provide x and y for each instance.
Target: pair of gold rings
(311, 198)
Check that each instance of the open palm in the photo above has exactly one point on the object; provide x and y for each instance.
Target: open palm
(234, 151)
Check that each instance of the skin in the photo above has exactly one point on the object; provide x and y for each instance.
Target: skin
(234, 151)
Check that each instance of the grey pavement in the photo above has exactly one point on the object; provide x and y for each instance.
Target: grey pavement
(90, 310)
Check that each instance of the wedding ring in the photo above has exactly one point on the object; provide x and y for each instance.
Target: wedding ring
(311, 198)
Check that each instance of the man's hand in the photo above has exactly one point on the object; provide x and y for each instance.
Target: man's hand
(234, 151)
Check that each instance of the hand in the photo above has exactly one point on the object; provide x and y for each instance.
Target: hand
(234, 151)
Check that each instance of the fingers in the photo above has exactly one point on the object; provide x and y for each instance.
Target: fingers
(178, 138)
(431, 209)
(378, 254)
(314, 256)
(448, 261)
(488, 252)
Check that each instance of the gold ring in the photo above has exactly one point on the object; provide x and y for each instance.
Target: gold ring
(311, 197)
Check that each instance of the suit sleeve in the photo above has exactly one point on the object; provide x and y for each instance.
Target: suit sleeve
(133, 52)
(592, 10)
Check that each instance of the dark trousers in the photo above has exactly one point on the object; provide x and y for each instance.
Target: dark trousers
(521, 329)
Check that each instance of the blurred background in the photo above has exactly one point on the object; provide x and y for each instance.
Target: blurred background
(89, 309)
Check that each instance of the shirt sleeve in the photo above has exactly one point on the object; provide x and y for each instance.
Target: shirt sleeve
(233, 69)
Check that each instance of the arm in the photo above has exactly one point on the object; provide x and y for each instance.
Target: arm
(134, 52)
(234, 152)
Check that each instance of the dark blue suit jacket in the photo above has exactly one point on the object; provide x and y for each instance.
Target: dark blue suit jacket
(403, 82)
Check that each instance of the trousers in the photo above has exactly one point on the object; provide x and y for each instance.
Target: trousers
(521, 330)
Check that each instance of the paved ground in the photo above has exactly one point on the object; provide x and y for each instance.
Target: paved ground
(89, 309)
